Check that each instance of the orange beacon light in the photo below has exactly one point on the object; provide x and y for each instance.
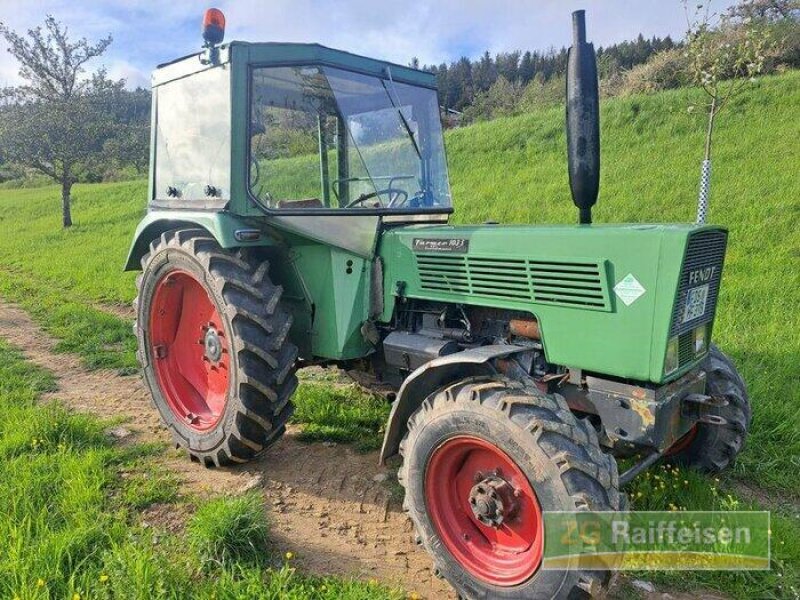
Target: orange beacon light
(213, 26)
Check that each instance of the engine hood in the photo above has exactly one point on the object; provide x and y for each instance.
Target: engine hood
(604, 295)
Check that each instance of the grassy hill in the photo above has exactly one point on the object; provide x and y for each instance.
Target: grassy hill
(514, 170)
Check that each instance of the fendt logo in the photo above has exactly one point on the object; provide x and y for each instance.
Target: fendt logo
(701, 275)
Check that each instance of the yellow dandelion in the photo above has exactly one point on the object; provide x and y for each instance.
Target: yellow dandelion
(76, 596)
(289, 555)
(103, 578)
(40, 582)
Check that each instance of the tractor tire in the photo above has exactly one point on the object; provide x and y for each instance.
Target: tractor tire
(213, 347)
(493, 435)
(713, 448)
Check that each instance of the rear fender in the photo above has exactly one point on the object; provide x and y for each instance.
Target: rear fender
(433, 376)
(222, 226)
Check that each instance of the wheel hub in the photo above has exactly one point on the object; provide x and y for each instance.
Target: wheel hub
(492, 501)
(212, 344)
(485, 510)
(190, 351)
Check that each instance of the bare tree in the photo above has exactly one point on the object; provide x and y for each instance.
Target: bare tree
(57, 121)
(724, 54)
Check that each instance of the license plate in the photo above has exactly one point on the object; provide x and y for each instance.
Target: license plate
(695, 303)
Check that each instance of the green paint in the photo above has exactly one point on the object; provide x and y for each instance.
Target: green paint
(332, 286)
(221, 225)
(620, 340)
(325, 267)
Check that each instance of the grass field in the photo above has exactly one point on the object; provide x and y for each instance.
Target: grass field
(513, 170)
(70, 524)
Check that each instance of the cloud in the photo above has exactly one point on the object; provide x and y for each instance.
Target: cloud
(134, 76)
(148, 32)
(441, 30)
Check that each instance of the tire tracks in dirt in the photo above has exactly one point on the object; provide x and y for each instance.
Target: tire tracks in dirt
(327, 504)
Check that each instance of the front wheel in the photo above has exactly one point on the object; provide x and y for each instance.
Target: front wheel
(712, 448)
(483, 460)
(213, 347)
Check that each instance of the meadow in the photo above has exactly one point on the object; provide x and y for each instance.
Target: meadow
(509, 170)
(70, 522)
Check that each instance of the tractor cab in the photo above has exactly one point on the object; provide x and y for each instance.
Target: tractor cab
(297, 129)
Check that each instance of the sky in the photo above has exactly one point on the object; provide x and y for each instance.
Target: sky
(148, 32)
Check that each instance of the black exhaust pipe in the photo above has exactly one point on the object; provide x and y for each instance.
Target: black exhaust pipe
(583, 120)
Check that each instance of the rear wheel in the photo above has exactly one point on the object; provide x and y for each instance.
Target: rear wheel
(712, 448)
(483, 459)
(213, 347)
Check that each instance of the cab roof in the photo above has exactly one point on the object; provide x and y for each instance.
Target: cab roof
(284, 53)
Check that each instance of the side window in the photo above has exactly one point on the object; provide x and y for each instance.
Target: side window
(193, 137)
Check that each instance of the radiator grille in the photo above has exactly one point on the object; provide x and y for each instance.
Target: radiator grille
(576, 284)
(705, 254)
(686, 350)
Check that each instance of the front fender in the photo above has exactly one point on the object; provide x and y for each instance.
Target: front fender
(221, 225)
(432, 376)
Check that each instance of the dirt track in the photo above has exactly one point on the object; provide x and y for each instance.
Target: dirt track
(322, 500)
(328, 504)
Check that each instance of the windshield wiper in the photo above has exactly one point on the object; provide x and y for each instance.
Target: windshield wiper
(403, 119)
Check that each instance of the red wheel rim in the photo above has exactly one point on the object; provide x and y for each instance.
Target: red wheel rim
(682, 443)
(503, 555)
(189, 350)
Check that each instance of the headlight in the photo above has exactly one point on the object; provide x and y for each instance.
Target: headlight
(700, 338)
(671, 361)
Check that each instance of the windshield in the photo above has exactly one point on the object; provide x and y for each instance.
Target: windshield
(327, 138)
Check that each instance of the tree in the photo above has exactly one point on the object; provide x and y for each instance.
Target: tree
(782, 19)
(723, 57)
(130, 142)
(767, 10)
(484, 72)
(527, 70)
(500, 100)
(57, 121)
(508, 65)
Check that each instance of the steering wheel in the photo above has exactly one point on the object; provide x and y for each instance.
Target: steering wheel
(393, 193)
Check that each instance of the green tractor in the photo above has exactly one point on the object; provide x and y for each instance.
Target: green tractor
(298, 215)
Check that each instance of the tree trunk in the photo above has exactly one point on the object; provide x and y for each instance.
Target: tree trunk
(705, 170)
(66, 212)
(710, 131)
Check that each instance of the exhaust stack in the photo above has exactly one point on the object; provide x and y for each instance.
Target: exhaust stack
(583, 121)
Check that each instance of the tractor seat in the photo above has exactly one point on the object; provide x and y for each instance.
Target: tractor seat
(307, 203)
